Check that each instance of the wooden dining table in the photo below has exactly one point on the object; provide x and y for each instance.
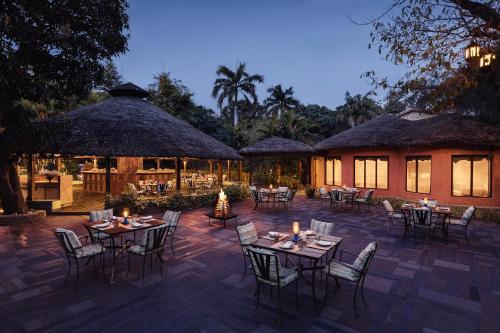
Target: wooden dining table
(117, 228)
(310, 250)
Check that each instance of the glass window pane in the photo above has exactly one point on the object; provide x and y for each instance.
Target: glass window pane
(329, 171)
(370, 173)
(411, 175)
(359, 172)
(424, 175)
(481, 177)
(382, 173)
(337, 169)
(461, 176)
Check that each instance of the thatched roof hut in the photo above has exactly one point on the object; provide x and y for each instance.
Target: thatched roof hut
(123, 125)
(451, 130)
(277, 147)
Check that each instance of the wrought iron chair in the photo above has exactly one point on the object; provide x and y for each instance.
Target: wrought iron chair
(171, 218)
(324, 195)
(336, 198)
(153, 242)
(259, 199)
(393, 216)
(99, 216)
(365, 200)
(355, 272)
(74, 249)
(247, 234)
(422, 219)
(268, 271)
(322, 227)
(464, 220)
(287, 200)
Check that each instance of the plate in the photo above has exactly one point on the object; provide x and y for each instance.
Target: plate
(274, 234)
(136, 225)
(286, 245)
(309, 233)
(102, 225)
(323, 243)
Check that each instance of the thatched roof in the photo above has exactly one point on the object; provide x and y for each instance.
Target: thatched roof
(451, 130)
(121, 126)
(276, 146)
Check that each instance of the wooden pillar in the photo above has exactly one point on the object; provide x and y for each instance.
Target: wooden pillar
(95, 163)
(178, 174)
(108, 174)
(228, 170)
(299, 170)
(240, 171)
(310, 170)
(211, 163)
(278, 171)
(31, 178)
(219, 172)
(185, 166)
(157, 164)
(250, 172)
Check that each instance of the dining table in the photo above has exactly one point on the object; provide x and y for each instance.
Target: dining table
(310, 250)
(442, 213)
(116, 228)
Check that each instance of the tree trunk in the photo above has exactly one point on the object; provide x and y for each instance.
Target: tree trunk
(10, 187)
(235, 109)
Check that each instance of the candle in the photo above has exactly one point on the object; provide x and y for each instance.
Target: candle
(426, 201)
(270, 186)
(125, 212)
(296, 230)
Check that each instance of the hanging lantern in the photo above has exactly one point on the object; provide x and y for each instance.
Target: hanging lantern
(486, 59)
(472, 51)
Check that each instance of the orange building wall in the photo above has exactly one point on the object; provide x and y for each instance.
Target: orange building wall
(440, 173)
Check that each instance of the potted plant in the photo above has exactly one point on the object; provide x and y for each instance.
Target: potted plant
(310, 191)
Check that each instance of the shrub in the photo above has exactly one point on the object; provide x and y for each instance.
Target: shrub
(290, 181)
(125, 200)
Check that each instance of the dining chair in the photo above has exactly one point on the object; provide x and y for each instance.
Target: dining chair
(322, 227)
(268, 271)
(287, 199)
(365, 200)
(336, 198)
(247, 234)
(464, 221)
(153, 242)
(393, 216)
(259, 199)
(132, 188)
(99, 216)
(171, 218)
(422, 219)
(430, 202)
(325, 196)
(74, 249)
(355, 272)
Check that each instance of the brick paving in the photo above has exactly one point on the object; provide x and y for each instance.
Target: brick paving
(422, 287)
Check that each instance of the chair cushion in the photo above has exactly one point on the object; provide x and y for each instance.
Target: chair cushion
(322, 227)
(247, 233)
(387, 206)
(96, 234)
(458, 221)
(137, 249)
(468, 213)
(362, 258)
(362, 200)
(396, 215)
(89, 250)
(342, 270)
(171, 218)
(99, 215)
(72, 238)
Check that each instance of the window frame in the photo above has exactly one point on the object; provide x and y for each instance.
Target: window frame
(333, 157)
(470, 158)
(376, 171)
(416, 158)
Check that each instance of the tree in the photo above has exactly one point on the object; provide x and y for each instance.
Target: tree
(229, 84)
(280, 101)
(357, 109)
(50, 50)
(430, 37)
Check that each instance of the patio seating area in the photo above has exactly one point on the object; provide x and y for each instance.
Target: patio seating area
(423, 286)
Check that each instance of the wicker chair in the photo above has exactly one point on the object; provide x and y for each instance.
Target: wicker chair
(355, 272)
(74, 249)
(247, 234)
(171, 218)
(464, 221)
(268, 271)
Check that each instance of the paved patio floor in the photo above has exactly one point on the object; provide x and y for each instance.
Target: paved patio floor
(422, 287)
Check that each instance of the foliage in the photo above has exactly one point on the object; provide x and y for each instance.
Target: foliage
(229, 84)
(263, 176)
(310, 191)
(292, 182)
(357, 109)
(128, 200)
(280, 101)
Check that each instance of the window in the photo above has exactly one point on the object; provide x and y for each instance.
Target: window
(418, 174)
(333, 171)
(471, 176)
(371, 172)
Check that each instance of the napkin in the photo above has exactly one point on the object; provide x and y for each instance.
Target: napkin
(146, 217)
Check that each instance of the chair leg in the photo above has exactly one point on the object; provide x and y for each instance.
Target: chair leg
(143, 266)
(77, 273)
(160, 262)
(93, 264)
(257, 293)
(69, 270)
(355, 296)
(151, 262)
(172, 245)
(362, 291)
(297, 293)
(326, 288)
(245, 262)
(128, 264)
(279, 303)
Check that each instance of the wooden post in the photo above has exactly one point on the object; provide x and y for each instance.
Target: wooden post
(278, 171)
(157, 164)
(219, 172)
(31, 178)
(185, 166)
(228, 170)
(108, 174)
(311, 177)
(240, 171)
(299, 170)
(211, 163)
(178, 174)
(250, 171)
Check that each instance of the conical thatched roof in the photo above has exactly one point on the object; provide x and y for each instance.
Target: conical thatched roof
(451, 130)
(123, 125)
(276, 146)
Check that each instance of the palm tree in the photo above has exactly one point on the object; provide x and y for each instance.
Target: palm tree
(280, 101)
(358, 109)
(229, 84)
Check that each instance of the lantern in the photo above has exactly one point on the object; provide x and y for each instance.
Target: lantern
(125, 216)
(472, 51)
(296, 231)
(486, 59)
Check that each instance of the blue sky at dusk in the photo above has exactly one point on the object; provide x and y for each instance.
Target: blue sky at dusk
(308, 44)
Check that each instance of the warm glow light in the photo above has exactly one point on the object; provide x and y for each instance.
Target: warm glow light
(472, 51)
(296, 228)
(222, 195)
(125, 212)
(486, 60)
(426, 201)
(271, 186)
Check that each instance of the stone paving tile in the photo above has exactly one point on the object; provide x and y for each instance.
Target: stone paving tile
(411, 287)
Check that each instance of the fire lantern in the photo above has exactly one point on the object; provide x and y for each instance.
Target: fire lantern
(472, 51)
(222, 208)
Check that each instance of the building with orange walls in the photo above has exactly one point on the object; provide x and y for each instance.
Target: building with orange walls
(450, 158)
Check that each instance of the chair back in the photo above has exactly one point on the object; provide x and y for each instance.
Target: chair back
(253, 188)
(430, 202)
(171, 218)
(368, 195)
(337, 195)
(322, 227)
(266, 265)
(154, 238)
(247, 234)
(323, 191)
(255, 195)
(421, 216)
(291, 194)
(469, 214)
(131, 187)
(365, 257)
(388, 207)
(68, 240)
(100, 215)
(283, 189)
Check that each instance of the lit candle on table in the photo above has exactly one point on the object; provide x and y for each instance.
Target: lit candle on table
(296, 231)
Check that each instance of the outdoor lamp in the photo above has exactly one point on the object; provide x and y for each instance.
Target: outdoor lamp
(472, 51)
(426, 201)
(296, 230)
(125, 216)
(486, 59)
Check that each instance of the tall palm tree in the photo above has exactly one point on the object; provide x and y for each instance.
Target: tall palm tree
(279, 100)
(229, 84)
(357, 109)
